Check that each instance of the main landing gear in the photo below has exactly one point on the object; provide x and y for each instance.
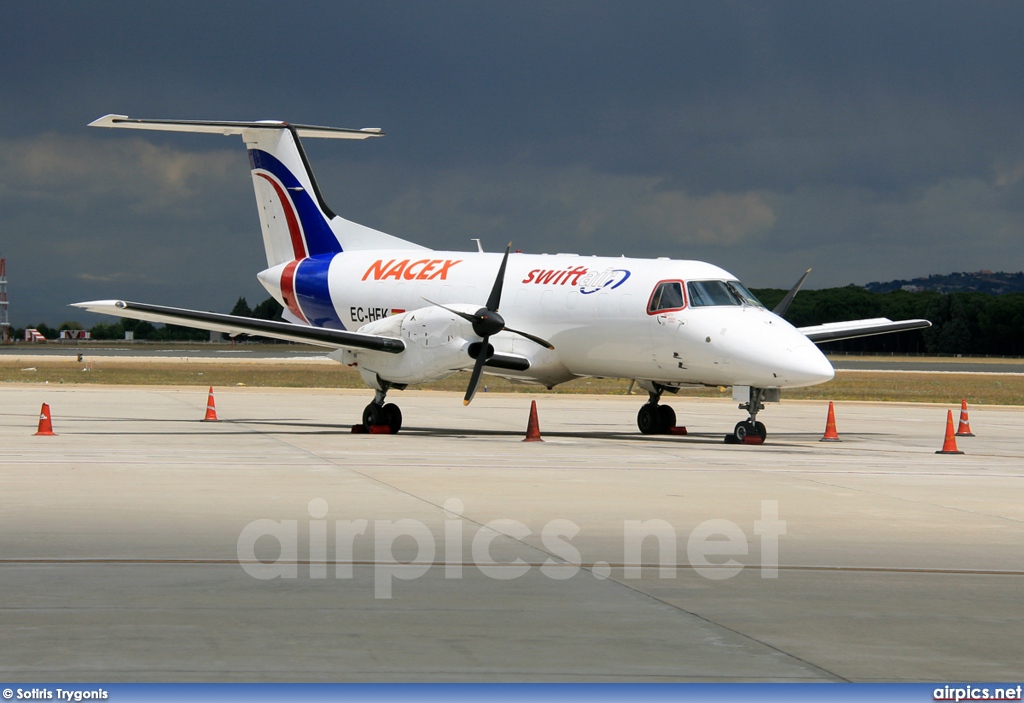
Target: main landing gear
(654, 418)
(750, 431)
(378, 414)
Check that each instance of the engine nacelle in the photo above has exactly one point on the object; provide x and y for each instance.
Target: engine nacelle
(437, 345)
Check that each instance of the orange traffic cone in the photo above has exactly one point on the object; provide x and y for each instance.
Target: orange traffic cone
(949, 446)
(964, 428)
(45, 423)
(211, 409)
(533, 426)
(831, 435)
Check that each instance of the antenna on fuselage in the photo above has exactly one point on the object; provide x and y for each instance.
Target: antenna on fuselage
(479, 246)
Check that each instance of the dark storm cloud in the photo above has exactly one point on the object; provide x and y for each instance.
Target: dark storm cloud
(870, 140)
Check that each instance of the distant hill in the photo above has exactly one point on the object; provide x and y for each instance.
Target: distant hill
(995, 283)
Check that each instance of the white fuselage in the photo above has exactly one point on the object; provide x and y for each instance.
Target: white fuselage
(597, 312)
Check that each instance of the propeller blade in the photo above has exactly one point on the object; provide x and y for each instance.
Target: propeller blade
(474, 379)
(464, 315)
(488, 321)
(532, 338)
(494, 300)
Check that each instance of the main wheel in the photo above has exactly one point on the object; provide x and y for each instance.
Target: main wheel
(373, 415)
(667, 416)
(648, 419)
(393, 415)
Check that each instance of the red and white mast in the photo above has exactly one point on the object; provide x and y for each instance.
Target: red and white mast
(5, 324)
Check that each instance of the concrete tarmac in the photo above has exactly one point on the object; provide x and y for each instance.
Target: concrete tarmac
(135, 545)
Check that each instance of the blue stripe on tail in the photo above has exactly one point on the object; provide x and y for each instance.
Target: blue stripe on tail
(319, 237)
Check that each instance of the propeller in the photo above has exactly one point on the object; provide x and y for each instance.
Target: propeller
(487, 322)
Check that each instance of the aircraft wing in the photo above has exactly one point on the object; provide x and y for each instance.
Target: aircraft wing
(233, 324)
(834, 331)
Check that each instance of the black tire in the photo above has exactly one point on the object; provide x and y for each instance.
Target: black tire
(373, 415)
(761, 430)
(648, 419)
(393, 417)
(743, 429)
(668, 418)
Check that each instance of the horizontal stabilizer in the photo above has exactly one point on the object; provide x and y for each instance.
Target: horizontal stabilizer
(834, 331)
(233, 324)
(295, 220)
(228, 128)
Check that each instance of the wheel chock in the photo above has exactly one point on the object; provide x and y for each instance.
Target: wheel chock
(749, 439)
(372, 429)
(676, 430)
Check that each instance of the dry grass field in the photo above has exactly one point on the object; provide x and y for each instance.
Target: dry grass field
(978, 388)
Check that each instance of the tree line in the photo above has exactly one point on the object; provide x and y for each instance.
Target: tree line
(269, 309)
(962, 323)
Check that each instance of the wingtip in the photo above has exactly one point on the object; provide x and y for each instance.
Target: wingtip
(107, 120)
(97, 303)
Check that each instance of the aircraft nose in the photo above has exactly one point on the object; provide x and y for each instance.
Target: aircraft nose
(805, 365)
(782, 357)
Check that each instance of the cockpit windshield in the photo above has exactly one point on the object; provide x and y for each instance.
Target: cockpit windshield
(710, 293)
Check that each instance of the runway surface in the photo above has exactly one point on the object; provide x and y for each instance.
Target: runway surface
(121, 538)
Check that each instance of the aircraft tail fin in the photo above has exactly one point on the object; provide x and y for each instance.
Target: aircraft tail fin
(295, 220)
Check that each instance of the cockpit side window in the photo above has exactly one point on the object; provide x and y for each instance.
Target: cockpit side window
(667, 296)
(710, 293)
(748, 297)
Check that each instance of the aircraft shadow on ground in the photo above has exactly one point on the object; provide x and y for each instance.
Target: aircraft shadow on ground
(298, 426)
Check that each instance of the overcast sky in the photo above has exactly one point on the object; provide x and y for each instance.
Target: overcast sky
(870, 140)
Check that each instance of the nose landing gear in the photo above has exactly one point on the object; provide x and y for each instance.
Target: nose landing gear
(750, 431)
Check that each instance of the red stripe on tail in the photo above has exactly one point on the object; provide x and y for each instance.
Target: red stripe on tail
(298, 245)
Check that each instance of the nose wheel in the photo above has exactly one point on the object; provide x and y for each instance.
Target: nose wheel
(750, 431)
(746, 429)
